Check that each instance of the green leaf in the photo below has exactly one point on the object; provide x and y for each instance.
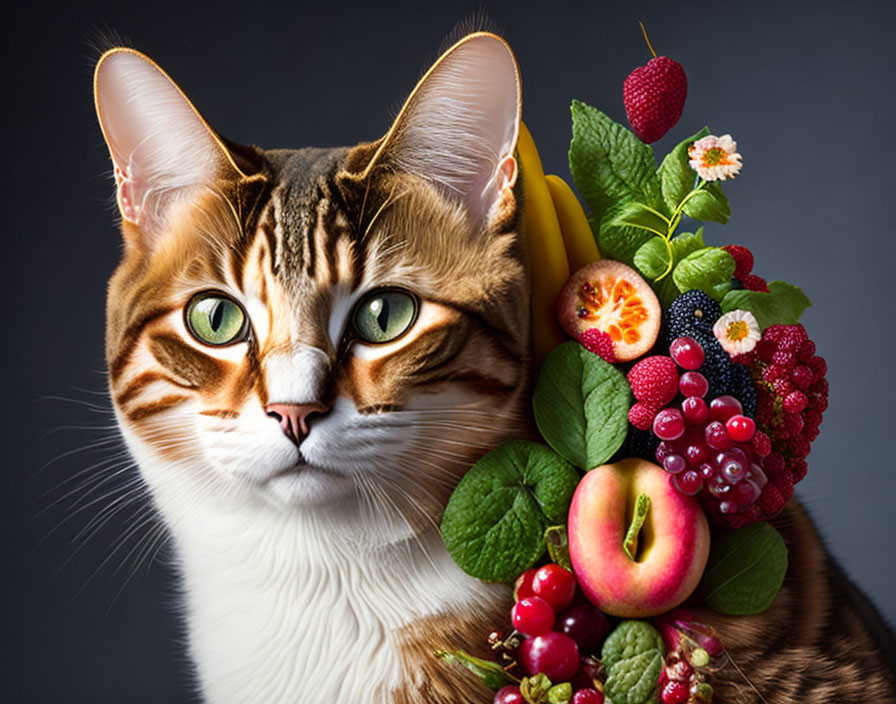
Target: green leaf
(745, 570)
(494, 523)
(677, 178)
(581, 405)
(490, 673)
(633, 657)
(609, 163)
(782, 305)
(615, 242)
(704, 269)
(709, 203)
(652, 258)
(634, 214)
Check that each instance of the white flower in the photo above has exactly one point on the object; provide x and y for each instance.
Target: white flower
(715, 158)
(737, 332)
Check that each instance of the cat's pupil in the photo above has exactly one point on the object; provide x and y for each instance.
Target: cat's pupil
(382, 317)
(217, 316)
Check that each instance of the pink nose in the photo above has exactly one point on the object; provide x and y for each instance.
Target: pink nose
(293, 417)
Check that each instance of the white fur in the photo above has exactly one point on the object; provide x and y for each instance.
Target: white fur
(298, 604)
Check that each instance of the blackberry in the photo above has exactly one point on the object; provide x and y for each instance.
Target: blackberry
(642, 443)
(717, 364)
(690, 310)
(742, 388)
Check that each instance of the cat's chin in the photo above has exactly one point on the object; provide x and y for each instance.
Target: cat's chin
(306, 485)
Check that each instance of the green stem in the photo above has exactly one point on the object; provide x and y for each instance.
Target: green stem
(676, 216)
(642, 507)
(673, 225)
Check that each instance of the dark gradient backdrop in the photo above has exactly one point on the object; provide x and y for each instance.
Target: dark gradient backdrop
(806, 89)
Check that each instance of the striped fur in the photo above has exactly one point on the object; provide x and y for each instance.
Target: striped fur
(330, 582)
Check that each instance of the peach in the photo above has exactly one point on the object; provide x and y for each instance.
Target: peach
(670, 548)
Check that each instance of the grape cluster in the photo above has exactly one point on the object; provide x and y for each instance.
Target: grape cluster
(557, 633)
(712, 446)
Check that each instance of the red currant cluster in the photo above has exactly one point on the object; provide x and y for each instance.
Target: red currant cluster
(557, 633)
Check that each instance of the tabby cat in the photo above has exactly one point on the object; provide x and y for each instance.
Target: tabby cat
(306, 350)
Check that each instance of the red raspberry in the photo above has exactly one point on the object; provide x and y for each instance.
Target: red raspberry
(761, 444)
(795, 402)
(800, 467)
(654, 97)
(599, 342)
(654, 380)
(802, 377)
(641, 415)
(743, 260)
(752, 282)
(807, 351)
(799, 447)
(818, 366)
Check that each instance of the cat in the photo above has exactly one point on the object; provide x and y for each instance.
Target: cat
(308, 348)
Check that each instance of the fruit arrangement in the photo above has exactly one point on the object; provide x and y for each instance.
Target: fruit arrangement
(677, 397)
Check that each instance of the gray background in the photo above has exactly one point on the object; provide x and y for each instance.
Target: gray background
(805, 88)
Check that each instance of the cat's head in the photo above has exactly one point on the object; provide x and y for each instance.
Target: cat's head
(319, 325)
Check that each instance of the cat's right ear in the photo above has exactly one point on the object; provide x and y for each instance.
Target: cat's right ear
(162, 149)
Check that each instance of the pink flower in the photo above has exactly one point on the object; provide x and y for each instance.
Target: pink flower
(715, 158)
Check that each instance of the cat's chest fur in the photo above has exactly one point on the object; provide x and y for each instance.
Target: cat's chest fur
(288, 608)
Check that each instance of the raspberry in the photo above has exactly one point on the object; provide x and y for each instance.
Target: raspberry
(599, 342)
(693, 309)
(641, 415)
(654, 380)
(818, 366)
(752, 282)
(795, 402)
(807, 351)
(762, 444)
(654, 97)
(743, 260)
(791, 397)
(802, 377)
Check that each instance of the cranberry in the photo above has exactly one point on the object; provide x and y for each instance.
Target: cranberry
(523, 585)
(555, 585)
(687, 353)
(552, 653)
(532, 616)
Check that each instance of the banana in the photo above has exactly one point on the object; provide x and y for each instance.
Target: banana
(581, 249)
(548, 264)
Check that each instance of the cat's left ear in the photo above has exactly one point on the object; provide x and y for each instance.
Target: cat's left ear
(460, 125)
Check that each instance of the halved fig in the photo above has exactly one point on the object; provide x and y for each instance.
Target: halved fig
(612, 297)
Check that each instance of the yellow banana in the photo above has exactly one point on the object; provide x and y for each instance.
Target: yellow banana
(549, 267)
(581, 249)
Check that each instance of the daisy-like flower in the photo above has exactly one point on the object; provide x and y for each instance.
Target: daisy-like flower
(737, 332)
(715, 158)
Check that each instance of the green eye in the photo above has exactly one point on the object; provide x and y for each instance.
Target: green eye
(214, 319)
(384, 316)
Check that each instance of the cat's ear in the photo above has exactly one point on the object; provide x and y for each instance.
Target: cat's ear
(161, 147)
(460, 125)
